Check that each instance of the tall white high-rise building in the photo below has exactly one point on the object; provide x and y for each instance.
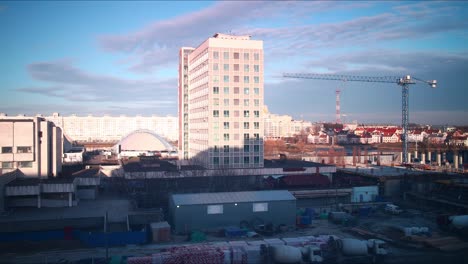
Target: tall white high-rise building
(221, 102)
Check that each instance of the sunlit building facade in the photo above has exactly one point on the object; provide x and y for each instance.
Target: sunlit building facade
(225, 102)
(30, 144)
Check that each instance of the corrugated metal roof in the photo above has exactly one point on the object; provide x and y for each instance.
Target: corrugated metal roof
(231, 197)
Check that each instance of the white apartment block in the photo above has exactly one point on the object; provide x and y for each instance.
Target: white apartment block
(113, 128)
(280, 126)
(31, 144)
(225, 102)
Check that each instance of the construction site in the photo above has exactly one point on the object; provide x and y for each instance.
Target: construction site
(362, 209)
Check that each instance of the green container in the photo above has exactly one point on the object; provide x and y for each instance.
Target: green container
(300, 212)
(197, 236)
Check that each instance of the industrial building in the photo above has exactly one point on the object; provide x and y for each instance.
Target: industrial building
(221, 102)
(22, 191)
(31, 144)
(211, 211)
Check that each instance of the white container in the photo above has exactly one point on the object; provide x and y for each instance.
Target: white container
(286, 254)
(353, 247)
(459, 221)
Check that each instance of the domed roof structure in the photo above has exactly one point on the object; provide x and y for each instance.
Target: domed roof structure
(144, 140)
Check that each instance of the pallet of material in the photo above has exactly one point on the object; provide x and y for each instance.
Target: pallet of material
(362, 232)
(448, 243)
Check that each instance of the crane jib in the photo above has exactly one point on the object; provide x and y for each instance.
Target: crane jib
(402, 81)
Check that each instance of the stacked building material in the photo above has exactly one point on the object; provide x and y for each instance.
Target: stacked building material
(139, 260)
(253, 254)
(240, 243)
(239, 256)
(161, 232)
(274, 242)
(161, 257)
(296, 241)
(257, 243)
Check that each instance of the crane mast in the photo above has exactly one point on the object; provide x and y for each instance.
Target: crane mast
(404, 82)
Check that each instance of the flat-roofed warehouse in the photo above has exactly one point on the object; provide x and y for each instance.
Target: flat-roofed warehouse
(213, 211)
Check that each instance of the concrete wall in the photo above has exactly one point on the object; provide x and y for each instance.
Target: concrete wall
(226, 172)
(45, 150)
(51, 224)
(194, 217)
(57, 151)
(392, 187)
(4, 180)
(142, 218)
(364, 194)
(33, 202)
(87, 194)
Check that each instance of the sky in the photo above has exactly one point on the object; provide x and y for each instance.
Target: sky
(105, 57)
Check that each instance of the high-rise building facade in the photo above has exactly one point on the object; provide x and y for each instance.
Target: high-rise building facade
(225, 102)
(183, 102)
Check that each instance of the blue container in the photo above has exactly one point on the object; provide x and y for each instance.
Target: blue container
(233, 231)
(306, 220)
(364, 211)
(310, 212)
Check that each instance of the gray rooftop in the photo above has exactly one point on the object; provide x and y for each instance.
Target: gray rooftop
(231, 197)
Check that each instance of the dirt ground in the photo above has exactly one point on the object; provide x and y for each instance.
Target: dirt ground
(379, 222)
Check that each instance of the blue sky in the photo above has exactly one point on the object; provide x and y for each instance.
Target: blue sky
(121, 57)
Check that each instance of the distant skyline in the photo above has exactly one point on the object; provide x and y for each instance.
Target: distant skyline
(120, 58)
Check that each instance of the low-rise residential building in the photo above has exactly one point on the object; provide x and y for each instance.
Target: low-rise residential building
(313, 138)
(324, 139)
(366, 139)
(376, 138)
(437, 139)
(417, 136)
(458, 141)
(342, 137)
(389, 137)
(353, 139)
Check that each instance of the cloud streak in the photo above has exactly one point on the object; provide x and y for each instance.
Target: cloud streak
(156, 44)
(65, 81)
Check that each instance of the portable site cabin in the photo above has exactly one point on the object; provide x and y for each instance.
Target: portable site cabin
(213, 211)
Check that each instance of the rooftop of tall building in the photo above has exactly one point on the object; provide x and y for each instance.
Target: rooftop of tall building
(226, 36)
